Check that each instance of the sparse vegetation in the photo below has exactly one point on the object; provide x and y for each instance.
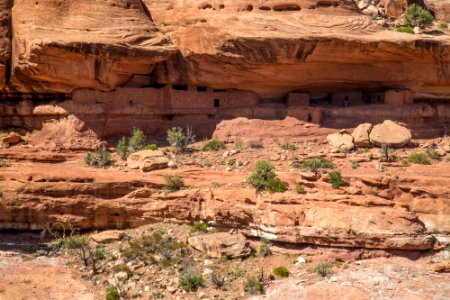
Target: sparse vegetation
(264, 247)
(254, 285)
(238, 145)
(323, 269)
(314, 164)
(443, 25)
(299, 188)
(99, 253)
(289, 146)
(265, 178)
(99, 159)
(336, 180)
(199, 226)
(355, 164)
(433, 154)
(178, 140)
(173, 183)
(170, 250)
(280, 271)
(419, 158)
(387, 153)
(218, 280)
(191, 280)
(214, 145)
(405, 29)
(137, 142)
(123, 268)
(418, 16)
(158, 295)
(256, 145)
(112, 293)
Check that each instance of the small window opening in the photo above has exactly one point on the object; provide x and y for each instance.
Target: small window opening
(201, 89)
(217, 103)
(180, 87)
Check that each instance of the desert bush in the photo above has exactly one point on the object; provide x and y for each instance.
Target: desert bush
(323, 269)
(406, 29)
(191, 280)
(265, 178)
(214, 145)
(336, 180)
(99, 159)
(173, 183)
(199, 226)
(145, 249)
(299, 188)
(112, 293)
(137, 142)
(264, 247)
(433, 154)
(178, 139)
(289, 146)
(254, 285)
(123, 268)
(419, 158)
(218, 280)
(280, 271)
(443, 25)
(418, 16)
(316, 163)
(158, 295)
(239, 144)
(99, 253)
(256, 145)
(354, 164)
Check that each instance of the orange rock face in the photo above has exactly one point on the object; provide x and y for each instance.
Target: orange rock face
(63, 45)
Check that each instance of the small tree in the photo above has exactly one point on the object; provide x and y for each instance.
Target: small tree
(265, 178)
(137, 142)
(418, 16)
(178, 139)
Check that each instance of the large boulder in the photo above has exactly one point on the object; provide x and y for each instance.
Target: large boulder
(391, 134)
(221, 244)
(341, 141)
(147, 160)
(361, 135)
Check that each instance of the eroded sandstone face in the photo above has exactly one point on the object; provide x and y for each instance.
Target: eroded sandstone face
(441, 8)
(330, 47)
(5, 49)
(61, 45)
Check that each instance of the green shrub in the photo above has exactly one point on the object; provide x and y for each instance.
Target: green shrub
(123, 268)
(151, 147)
(336, 180)
(239, 144)
(264, 247)
(112, 293)
(199, 226)
(406, 29)
(122, 148)
(75, 242)
(99, 159)
(256, 145)
(443, 25)
(158, 295)
(99, 253)
(137, 141)
(214, 145)
(316, 163)
(419, 158)
(323, 269)
(173, 183)
(289, 146)
(299, 188)
(296, 165)
(265, 178)
(355, 164)
(280, 272)
(178, 139)
(433, 154)
(418, 16)
(191, 280)
(254, 285)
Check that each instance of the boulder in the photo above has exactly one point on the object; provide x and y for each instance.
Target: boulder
(361, 135)
(148, 160)
(441, 267)
(221, 244)
(390, 133)
(341, 141)
(12, 138)
(109, 236)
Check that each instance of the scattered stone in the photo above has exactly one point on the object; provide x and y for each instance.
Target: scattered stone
(310, 176)
(442, 267)
(109, 236)
(300, 260)
(12, 139)
(391, 134)
(147, 160)
(341, 141)
(221, 244)
(361, 135)
(121, 276)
